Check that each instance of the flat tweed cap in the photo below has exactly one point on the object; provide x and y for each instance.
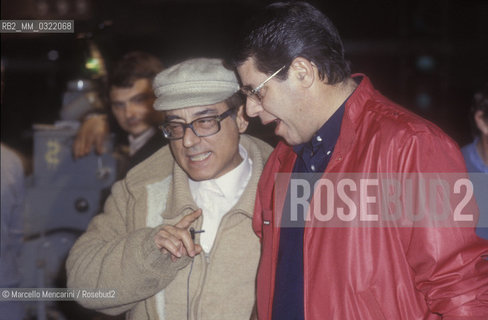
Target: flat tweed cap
(194, 82)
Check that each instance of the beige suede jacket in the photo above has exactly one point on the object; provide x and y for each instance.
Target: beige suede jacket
(117, 261)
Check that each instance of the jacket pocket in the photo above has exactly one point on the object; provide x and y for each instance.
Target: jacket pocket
(372, 305)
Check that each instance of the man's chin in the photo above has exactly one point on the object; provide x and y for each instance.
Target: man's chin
(291, 141)
(200, 177)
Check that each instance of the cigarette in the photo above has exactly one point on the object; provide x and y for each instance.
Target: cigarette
(193, 231)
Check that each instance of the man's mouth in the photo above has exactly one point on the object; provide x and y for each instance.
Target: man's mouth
(201, 156)
(132, 122)
(274, 122)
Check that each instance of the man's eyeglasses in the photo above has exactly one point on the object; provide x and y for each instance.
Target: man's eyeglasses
(255, 94)
(201, 127)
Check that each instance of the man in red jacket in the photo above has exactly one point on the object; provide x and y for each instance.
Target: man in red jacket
(352, 265)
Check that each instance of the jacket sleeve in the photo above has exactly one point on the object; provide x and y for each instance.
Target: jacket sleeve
(264, 194)
(447, 261)
(107, 257)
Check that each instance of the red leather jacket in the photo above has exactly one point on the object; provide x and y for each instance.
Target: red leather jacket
(378, 273)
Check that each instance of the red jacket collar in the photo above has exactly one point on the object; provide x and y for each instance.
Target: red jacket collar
(352, 116)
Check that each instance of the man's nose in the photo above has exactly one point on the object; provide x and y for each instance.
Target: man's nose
(129, 110)
(190, 138)
(253, 108)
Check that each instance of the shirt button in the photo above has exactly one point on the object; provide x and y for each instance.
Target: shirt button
(312, 167)
(319, 139)
(328, 152)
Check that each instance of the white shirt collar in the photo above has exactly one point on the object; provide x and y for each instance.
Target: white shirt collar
(217, 196)
(135, 143)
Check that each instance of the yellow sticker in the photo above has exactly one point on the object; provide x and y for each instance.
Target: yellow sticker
(52, 154)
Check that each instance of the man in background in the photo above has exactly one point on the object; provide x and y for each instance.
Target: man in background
(476, 153)
(131, 101)
(476, 156)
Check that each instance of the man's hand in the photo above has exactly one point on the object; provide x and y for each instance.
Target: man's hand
(177, 239)
(92, 134)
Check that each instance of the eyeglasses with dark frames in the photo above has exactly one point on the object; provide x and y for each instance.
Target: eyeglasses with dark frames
(201, 127)
(255, 94)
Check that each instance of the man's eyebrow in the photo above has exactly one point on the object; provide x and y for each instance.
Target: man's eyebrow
(205, 112)
(140, 95)
(247, 87)
(173, 117)
(195, 115)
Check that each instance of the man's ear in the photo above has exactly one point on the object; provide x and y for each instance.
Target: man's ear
(481, 122)
(303, 70)
(241, 119)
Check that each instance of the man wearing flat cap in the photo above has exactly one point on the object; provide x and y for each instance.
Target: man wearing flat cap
(175, 239)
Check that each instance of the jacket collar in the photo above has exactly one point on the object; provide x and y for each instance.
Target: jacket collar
(353, 114)
(180, 200)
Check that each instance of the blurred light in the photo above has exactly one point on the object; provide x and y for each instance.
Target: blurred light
(424, 101)
(425, 63)
(105, 24)
(62, 6)
(93, 64)
(79, 84)
(81, 6)
(42, 7)
(53, 55)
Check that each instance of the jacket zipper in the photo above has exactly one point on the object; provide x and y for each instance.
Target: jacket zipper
(208, 257)
(198, 226)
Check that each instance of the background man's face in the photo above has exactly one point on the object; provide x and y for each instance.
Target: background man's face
(204, 158)
(133, 107)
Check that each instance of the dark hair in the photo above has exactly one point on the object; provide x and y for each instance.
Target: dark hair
(134, 66)
(284, 31)
(236, 100)
(480, 103)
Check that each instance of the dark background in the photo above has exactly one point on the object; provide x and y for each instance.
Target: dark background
(428, 55)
